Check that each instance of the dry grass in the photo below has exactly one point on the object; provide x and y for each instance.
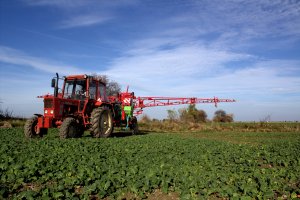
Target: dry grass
(12, 123)
(177, 126)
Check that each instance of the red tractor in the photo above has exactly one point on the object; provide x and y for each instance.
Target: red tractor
(82, 104)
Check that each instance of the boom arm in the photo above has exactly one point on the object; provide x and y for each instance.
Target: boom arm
(143, 102)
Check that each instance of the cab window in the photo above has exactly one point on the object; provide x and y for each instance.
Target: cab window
(102, 92)
(93, 87)
(68, 89)
(80, 90)
(75, 89)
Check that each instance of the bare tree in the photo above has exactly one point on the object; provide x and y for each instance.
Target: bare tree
(112, 87)
(6, 114)
(266, 119)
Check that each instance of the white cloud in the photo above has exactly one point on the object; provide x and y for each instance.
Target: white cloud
(236, 24)
(256, 18)
(16, 57)
(164, 68)
(57, 3)
(265, 88)
(151, 69)
(263, 79)
(84, 20)
(65, 4)
(82, 13)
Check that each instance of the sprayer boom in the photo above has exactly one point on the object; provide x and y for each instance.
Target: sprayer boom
(143, 102)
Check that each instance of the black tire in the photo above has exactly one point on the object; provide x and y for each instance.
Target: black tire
(134, 126)
(102, 122)
(81, 131)
(43, 131)
(30, 128)
(70, 129)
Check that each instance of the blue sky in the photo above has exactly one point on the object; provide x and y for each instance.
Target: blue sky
(245, 50)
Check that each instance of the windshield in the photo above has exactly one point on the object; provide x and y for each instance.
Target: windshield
(75, 89)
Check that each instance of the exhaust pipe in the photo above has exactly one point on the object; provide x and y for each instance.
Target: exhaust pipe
(56, 86)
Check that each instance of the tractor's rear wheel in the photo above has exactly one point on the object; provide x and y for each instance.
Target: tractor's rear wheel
(30, 128)
(70, 128)
(102, 122)
(134, 126)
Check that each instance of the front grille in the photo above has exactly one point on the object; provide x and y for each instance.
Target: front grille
(48, 103)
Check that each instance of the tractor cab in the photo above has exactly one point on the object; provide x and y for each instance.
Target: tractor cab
(81, 87)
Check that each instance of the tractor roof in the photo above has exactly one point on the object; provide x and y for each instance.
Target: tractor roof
(84, 76)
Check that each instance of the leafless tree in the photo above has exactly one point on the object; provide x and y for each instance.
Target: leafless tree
(112, 87)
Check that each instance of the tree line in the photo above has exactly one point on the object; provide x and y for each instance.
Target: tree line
(192, 114)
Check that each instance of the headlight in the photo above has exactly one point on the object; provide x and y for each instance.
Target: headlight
(51, 111)
(46, 111)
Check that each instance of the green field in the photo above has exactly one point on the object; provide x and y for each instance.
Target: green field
(190, 165)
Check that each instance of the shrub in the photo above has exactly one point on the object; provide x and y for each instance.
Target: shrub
(221, 116)
(192, 114)
(145, 119)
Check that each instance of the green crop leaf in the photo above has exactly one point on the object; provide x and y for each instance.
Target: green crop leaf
(184, 164)
(107, 184)
(246, 198)
(57, 195)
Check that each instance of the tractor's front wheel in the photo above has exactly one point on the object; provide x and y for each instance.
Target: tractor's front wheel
(30, 128)
(102, 122)
(70, 129)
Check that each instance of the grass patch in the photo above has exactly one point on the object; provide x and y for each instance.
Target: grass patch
(177, 126)
(254, 138)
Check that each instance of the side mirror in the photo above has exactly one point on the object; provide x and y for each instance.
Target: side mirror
(53, 82)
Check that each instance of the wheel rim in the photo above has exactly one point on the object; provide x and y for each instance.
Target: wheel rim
(105, 123)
